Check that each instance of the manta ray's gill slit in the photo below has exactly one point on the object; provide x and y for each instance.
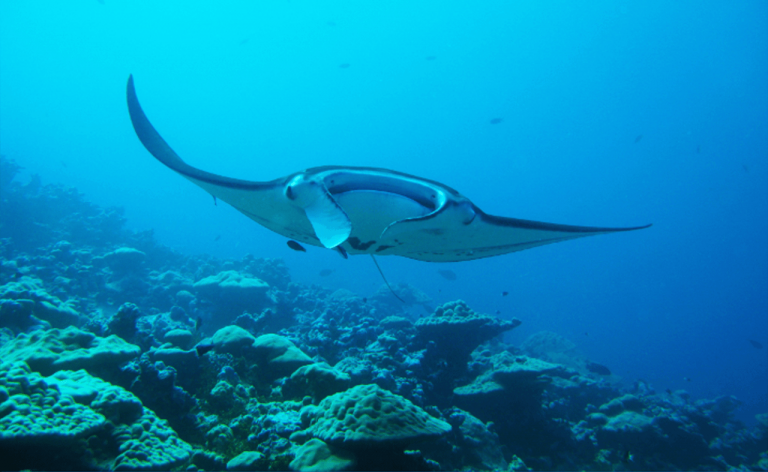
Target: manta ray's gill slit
(343, 182)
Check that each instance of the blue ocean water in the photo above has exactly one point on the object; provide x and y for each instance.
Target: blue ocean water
(590, 113)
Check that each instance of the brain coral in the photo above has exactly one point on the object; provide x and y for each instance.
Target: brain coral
(29, 291)
(277, 356)
(31, 412)
(232, 293)
(122, 260)
(233, 340)
(143, 441)
(316, 456)
(114, 403)
(509, 375)
(513, 385)
(544, 343)
(367, 415)
(318, 380)
(149, 444)
(456, 326)
(67, 349)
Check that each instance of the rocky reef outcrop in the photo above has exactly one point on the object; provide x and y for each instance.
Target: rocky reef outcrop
(120, 353)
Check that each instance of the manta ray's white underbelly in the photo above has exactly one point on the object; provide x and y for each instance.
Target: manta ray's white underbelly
(371, 211)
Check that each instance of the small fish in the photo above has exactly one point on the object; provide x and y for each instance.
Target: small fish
(430, 58)
(63, 164)
(496, 121)
(669, 392)
(504, 294)
(745, 167)
(756, 344)
(628, 457)
(447, 274)
(330, 23)
(638, 138)
(203, 348)
(498, 312)
(365, 300)
(598, 369)
(687, 379)
(296, 246)
(326, 272)
(218, 236)
(344, 66)
(198, 323)
(698, 149)
(244, 42)
(586, 333)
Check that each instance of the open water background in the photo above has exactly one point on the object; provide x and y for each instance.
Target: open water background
(613, 113)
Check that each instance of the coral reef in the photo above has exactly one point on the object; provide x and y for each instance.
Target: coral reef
(80, 417)
(367, 415)
(47, 351)
(317, 381)
(316, 456)
(230, 293)
(119, 353)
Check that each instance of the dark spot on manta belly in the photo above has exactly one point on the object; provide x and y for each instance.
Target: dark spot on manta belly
(382, 248)
(357, 244)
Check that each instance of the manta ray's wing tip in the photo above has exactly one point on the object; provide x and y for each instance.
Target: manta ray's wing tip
(130, 91)
(615, 229)
(626, 228)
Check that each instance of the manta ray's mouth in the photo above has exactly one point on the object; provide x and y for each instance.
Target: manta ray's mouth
(339, 183)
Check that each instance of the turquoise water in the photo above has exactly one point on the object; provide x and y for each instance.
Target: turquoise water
(612, 114)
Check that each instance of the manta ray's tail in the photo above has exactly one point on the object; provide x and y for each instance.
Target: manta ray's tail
(385, 279)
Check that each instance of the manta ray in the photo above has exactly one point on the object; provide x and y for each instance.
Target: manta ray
(366, 210)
